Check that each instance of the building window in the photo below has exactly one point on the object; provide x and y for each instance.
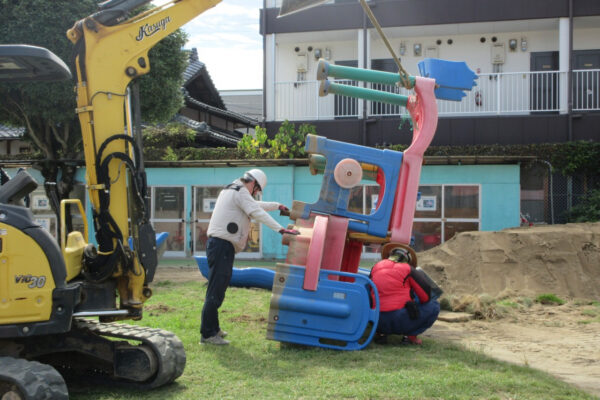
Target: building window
(168, 215)
(42, 211)
(442, 211)
(362, 200)
(44, 215)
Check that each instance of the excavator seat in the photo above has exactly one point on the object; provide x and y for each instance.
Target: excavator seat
(13, 191)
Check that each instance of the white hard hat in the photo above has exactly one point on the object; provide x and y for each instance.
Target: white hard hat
(258, 176)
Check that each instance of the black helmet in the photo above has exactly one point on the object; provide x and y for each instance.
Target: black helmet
(402, 254)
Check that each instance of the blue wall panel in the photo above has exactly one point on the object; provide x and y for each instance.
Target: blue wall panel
(500, 191)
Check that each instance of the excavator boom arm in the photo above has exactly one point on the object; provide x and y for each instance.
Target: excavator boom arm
(111, 51)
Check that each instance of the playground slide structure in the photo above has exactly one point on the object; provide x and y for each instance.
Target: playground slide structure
(319, 295)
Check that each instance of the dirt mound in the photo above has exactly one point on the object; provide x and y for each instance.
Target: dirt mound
(527, 261)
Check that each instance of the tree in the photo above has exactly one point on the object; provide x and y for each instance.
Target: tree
(46, 110)
(167, 63)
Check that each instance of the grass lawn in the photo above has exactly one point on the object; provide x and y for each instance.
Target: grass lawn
(255, 368)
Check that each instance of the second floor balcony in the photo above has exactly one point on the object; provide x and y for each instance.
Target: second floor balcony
(510, 93)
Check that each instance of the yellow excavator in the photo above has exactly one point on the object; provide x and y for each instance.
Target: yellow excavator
(59, 300)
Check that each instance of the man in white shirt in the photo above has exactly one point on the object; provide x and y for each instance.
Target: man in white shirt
(228, 234)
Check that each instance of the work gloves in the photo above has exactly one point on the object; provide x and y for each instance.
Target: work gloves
(283, 210)
(289, 231)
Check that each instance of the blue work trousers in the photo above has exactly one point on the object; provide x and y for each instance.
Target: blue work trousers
(220, 254)
(399, 323)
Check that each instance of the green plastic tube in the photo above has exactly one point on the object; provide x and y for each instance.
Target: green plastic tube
(362, 93)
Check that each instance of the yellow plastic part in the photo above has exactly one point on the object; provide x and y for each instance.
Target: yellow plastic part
(26, 281)
(366, 238)
(72, 245)
(73, 253)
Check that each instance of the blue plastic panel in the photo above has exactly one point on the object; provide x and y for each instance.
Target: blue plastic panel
(333, 199)
(337, 315)
(448, 74)
(252, 277)
(242, 277)
(161, 237)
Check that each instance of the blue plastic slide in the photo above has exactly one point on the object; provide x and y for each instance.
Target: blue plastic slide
(242, 277)
(251, 277)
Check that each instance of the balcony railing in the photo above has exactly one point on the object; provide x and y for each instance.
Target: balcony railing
(510, 93)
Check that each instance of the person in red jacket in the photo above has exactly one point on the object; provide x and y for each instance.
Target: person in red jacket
(406, 306)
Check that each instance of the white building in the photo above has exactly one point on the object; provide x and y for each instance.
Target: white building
(538, 63)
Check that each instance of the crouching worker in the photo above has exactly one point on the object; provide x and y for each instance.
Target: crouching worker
(405, 298)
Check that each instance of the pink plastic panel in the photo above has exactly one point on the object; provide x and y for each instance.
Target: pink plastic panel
(315, 253)
(334, 244)
(423, 110)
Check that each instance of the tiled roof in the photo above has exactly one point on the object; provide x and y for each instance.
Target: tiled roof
(194, 67)
(11, 132)
(231, 115)
(197, 80)
(208, 133)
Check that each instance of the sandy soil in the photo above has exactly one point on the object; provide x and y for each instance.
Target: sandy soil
(518, 263)
(548, 338)
(563, 260)
(559, 259)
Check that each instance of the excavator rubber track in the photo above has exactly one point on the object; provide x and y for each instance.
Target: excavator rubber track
(30, 380)
(167, 348)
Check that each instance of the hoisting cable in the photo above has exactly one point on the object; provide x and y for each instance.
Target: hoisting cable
(404, 77)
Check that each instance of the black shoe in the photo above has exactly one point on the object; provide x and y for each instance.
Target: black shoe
(380, 338)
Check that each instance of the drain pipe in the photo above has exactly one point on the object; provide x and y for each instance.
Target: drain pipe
(551, 189)
(365, 60)
(264, 43)
(570, 75)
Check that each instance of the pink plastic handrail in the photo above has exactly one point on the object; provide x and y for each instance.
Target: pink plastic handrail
(424, 113)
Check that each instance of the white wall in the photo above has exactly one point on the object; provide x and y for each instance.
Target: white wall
(15, 145)
(286, 56)
(586, 39)
(465, 47)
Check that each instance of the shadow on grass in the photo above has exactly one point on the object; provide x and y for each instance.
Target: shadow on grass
(90, 388)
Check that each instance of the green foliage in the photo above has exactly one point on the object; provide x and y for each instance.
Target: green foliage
(287, 142)
(46, 109)
(50, 105)
(549, 298)
(169, 154)
(208, 153)
(176, 142)
(576, 157)
(41, 23)
(160, 90)
(254, 147)
(588, 210)
(567, 158)
(173, 134)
